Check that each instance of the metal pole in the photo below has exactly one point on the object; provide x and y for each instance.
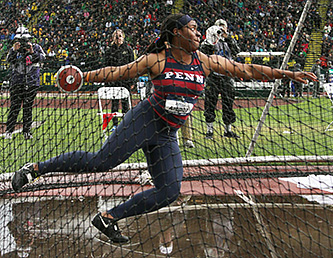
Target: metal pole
(277, 82)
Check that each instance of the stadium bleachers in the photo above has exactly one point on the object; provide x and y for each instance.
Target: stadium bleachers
(78, 32)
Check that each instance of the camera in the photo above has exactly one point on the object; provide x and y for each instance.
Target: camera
(24, 45)
(213, 34)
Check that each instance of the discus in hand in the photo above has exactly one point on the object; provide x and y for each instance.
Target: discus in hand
(69, 78)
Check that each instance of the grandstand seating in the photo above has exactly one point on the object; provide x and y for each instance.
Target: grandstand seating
(74, 31)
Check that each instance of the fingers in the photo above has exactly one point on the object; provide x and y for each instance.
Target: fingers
(311, 76)
(303, 76)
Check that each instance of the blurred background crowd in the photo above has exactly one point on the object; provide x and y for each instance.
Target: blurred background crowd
(78, 32)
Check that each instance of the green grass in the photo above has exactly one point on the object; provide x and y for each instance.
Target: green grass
(66, 130)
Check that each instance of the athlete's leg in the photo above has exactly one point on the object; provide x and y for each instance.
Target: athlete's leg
(165, 165)
(136, 129)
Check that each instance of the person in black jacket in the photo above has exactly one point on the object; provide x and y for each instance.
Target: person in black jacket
(117, 54)
(25, 60)
(219, 42)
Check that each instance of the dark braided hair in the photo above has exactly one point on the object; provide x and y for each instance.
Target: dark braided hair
(171, 22)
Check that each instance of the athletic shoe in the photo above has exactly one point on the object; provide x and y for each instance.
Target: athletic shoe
(209, 135)
(109, 227)
(231, 135)
(23, 176)
(113, 128)
(28, 136)
(189, 144)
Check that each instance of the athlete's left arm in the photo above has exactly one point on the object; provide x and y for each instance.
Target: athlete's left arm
(231, 68)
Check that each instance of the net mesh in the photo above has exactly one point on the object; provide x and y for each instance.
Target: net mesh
(261, 189)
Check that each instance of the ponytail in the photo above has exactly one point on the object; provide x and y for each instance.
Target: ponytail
(171, 22)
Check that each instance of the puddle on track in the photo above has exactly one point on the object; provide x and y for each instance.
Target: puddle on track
(193, 227)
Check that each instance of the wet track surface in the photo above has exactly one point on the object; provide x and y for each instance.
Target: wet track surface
(277, 226)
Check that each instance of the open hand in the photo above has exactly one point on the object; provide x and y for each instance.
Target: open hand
(303, 77)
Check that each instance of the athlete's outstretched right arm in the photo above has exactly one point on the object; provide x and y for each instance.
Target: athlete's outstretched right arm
(145, 64)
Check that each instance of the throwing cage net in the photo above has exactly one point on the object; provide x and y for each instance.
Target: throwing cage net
(256, 155)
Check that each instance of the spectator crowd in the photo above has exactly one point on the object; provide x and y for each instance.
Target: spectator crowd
(79, 32)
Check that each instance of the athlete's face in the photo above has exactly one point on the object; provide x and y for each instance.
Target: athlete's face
(190, 36)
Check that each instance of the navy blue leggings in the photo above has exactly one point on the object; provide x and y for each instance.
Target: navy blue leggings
(142, 129)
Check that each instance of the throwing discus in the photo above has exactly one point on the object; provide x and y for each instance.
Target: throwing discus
(69, 78)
